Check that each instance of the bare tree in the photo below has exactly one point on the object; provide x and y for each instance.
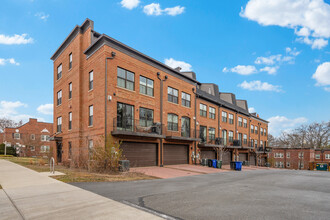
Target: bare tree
(6, 122)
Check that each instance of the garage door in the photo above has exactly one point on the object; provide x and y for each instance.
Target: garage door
(252, 160)
(140, 154)
(175, 154)
(243, 157)
(208, 154)
(226, 158)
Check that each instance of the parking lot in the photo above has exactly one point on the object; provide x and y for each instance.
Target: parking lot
(254, 194)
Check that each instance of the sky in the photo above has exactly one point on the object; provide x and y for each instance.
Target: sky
(275, 54)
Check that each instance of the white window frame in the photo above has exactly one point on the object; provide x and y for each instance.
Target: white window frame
(288, 155)
(211, 112)
(327, 156)
(317, 156)
(244, 123)
(44, 137)
(17, 136)
(32, 137)
(44, 149)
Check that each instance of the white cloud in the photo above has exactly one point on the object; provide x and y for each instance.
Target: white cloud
(259, 86)
(252, 110)
(155, 9)
(327, 89)
(10, 61)
(130, 4)
(268, 60)
(9, 110)
(308, 18)
(277, 124)
(174, 11)
(176, 63)
(42, 15)
(322, 75)
(15, 39)
(270, 70)
(46, 109)
(242, 69)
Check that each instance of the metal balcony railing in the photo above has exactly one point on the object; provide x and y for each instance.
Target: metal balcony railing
(135, 125)
(234, 142)
(211, 141)
(178, 131)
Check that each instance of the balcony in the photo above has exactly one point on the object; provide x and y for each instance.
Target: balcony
(207, 142)
(260, 150)
(180, 133)
(233, 143)
(137, 128)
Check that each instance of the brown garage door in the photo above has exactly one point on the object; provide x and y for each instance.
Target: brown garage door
(252, 160)
(140, 154)
(208, 154)
(226, 158)
(175, 154)
(243, 157)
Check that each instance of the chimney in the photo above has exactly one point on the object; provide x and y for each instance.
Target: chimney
(178, 69)
(258, 115)
(34, 120)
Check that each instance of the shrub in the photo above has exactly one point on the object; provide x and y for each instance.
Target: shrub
(105, 157)
(9, 150)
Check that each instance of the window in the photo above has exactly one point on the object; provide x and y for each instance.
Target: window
(245, 139)
(90, 118)
(256, 144)
(256, 129)
(281, 155)
(231, 119)
(146, 117)
(59, 124)
(172, 122)
(287, 155)
(185, 127)
(301, 155)
(90, 147)
(261, 131)
(32, 148)
(281, 164)
(287, 164)
(240, 122)
(59, 71)
(317, 156)
(245, 123)
(252, 144)
(301, 165)
(125, 117)
(202, 133)
(32, 137)
(211, 133)
(70, 90)
(17, 136)
(70, 61)
(224, 137)
(59, 97)
(172, 95)
(276, 164)
(125, 79)
(91, 80)
(202, 110)
(70, 150)
(265, 132)
(70, 120)
(224, 116)
(185, 99)
(327, 156)
(146, 86)
(252, 131)
(231, 136)
(261, 144)
(212, 112)
(44, 137)
(240, 138)
(44, 149)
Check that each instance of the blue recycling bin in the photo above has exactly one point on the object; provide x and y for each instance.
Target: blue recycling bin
(238, 165)
(214, 163)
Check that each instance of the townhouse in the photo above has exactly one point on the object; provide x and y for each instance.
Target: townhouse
(161, 115)
(30, 139)
(299, 158)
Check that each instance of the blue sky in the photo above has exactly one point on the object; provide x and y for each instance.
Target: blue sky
(275, 56)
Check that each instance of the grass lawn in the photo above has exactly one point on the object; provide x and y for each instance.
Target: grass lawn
(74, 174)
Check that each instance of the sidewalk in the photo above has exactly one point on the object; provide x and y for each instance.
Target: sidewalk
(27, 194)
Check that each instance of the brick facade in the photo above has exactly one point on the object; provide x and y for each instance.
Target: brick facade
(30, 139)
(92, 52)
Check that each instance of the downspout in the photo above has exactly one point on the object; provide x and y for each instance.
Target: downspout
(161, 116)
(195, 125)
(113, 54)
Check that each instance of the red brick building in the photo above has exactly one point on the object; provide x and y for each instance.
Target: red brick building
(298, 158)
(162, 115)
(30, 139)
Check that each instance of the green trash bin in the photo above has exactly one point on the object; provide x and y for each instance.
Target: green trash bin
(219, 164)
(321, 167)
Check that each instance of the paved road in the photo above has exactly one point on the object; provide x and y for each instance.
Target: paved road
(257, 194)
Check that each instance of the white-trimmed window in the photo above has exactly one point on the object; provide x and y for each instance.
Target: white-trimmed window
(301, 154)
(44, 149)
(202, 110)
(70, 90)
(172, 95)
(59, 124)
(17, 136)
(44, 137)
(91, 80)
(256, 129)
(185, 99)
(212, 112)
(90, 118)
(287, 164)
(59, 97)
(244, 138)
(288, 155)
(265, 132)
(317, 156)
(276, 164)
(32, 137)
(327, 156)
(252, 129)
(231, 136)
(59, 71)
(231, 119)
(146, 86)
(224, 116)
(240, 122)
(261, 131)
(172, 122)
(281, 164)
(70, 60)
(244, 123)
(70, 121)
(32, 148)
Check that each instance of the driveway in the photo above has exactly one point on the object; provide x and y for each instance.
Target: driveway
(255, 194)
